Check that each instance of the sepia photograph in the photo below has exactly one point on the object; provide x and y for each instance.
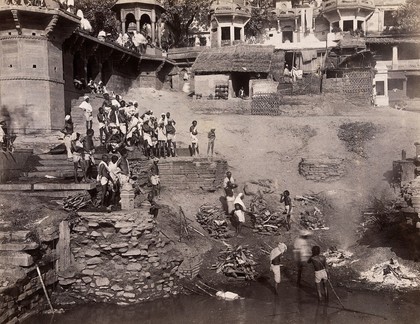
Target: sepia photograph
(209, 161)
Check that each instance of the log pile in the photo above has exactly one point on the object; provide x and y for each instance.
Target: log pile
(77, 201)
(213, 220)
(266, 222)
(237, 262)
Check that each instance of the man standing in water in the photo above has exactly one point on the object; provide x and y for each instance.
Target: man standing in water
(275, 257)
(302, 251)
(321, 276)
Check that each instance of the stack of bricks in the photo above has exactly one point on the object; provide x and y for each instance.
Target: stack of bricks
(322, 169)
(121, 258)
(192, 174)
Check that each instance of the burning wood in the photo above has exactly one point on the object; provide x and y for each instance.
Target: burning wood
(391, 274)
(236, 262)
(337, 258)
(213, 220)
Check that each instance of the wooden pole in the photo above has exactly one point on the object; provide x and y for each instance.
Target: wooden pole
(45, 289)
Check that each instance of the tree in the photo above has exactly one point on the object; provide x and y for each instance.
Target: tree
(100, 15)
(179, 17)
(261, 18)
(408, 16)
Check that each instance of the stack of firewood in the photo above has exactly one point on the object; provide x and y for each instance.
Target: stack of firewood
(236, 262)
(214, 221)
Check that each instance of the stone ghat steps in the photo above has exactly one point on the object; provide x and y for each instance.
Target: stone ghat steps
(15, 247)
(42, 188)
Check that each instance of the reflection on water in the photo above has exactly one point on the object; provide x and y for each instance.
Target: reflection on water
(259, 306)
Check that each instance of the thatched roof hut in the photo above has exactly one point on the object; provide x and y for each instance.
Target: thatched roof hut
(239, 58)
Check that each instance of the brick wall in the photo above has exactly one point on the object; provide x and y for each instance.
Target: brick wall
(322, 169)
(186, 173)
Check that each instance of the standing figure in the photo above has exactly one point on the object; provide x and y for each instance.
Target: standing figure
(302, 251)
(154, 178)
(239, 213)
(161, 135)
(78, 152)
(194, 138)
(103, 125)
(104, 178)
(87, 107)
(170, 136)
(241, 93)
(124, 167)
(68, 131)
(285, 198)
(321, 276)
(275, 256)
(212, 137)
(89, 151)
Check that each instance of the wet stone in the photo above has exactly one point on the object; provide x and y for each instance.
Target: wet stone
(102, 281)
(116, 288)
(92, 253)
(132, 252)
(125, 230)
(134, 267)
(129, 295)
(87, 279)
(93, 261)
(119, 245)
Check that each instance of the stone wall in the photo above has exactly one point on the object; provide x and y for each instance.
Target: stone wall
(206, 84)
(186, 173)
(21, 292)
(322, 169)
(120, 257)
(12, 164)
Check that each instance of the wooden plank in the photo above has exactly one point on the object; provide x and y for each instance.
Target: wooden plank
(63, 247)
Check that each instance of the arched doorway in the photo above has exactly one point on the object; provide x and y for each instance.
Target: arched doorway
(130, 22)
(146, 25)
(106, 72)
(79, 67)
(92, 69)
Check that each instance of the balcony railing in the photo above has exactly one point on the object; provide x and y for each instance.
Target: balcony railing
(344, 4)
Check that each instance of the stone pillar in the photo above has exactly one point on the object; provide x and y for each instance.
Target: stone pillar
(138, 25)
(123, 27)
(127, 197)
(394, 57)
(242, 34)
(302, 21)
(354, 23)
(232, 34)
(341, 24)
(158, 32)
(153, 27)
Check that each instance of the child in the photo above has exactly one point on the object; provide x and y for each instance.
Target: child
(285, 197)
(321, 276)
(239, 218)
(212, 137)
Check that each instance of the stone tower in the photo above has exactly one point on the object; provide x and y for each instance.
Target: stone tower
(228, 21)
(31, 64)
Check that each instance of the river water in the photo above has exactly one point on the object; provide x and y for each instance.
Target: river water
(259, 305)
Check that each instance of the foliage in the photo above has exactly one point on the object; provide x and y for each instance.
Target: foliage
(100, 15)
(261, 18)
(408, 16)
(180, 18)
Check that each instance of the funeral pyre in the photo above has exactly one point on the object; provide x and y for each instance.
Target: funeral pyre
(391, 274)
(337, 257)
(78, 201)
(266, 222)
(237, 262)
(311, 217)
(213, 220)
